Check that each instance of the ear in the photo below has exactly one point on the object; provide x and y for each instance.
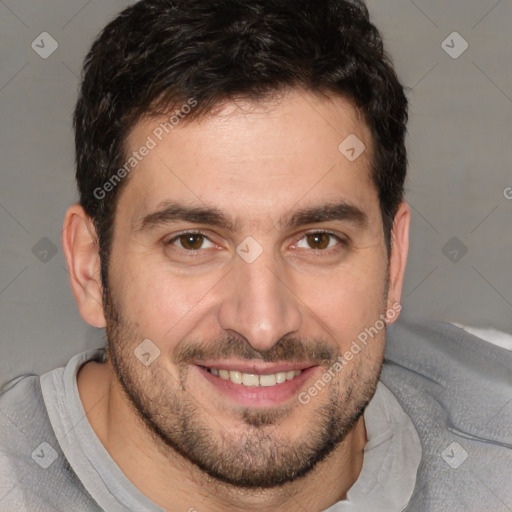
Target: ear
(398, 257)
(79, 242)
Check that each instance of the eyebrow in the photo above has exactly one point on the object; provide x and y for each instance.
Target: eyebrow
(170, 212)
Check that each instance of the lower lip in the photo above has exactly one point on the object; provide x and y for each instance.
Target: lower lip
(259, 396)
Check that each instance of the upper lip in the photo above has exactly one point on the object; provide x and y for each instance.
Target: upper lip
(255, 367)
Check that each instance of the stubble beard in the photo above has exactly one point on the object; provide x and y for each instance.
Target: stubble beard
(256, 455)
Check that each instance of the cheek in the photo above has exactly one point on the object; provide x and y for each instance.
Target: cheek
(161, 304)
(347, 302)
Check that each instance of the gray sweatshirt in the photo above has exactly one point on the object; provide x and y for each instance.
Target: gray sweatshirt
(439, 435)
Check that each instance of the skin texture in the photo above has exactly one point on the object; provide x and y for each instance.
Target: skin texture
(183, 442)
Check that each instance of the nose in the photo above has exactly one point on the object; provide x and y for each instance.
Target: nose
(259, 303)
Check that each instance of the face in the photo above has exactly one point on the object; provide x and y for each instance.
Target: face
(248, 252)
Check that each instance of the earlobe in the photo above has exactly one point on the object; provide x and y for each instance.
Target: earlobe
(80, 246)
(398, 257)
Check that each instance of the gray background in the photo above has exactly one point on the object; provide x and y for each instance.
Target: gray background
(460, 149)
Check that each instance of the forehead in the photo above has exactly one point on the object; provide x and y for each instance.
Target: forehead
(253, 157)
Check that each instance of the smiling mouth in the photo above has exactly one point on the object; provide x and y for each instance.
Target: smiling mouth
(252, 380)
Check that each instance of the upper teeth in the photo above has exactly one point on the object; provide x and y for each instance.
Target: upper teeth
(252, 380)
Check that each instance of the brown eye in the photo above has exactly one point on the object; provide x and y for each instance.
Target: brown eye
(318, 240)
(190, 241)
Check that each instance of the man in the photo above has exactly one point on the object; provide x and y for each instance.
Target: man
(242, 236)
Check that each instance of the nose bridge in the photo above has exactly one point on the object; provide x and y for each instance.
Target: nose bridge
(259, 303)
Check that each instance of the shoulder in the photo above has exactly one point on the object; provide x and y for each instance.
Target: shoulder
(34, 473)
(22, 407)
(24, 427)
(457, 390)
(449, 356)
(470, 378)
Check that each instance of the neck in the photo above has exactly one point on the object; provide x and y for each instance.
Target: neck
(173, 483)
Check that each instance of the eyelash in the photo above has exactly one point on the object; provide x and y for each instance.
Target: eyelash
(342, 242)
